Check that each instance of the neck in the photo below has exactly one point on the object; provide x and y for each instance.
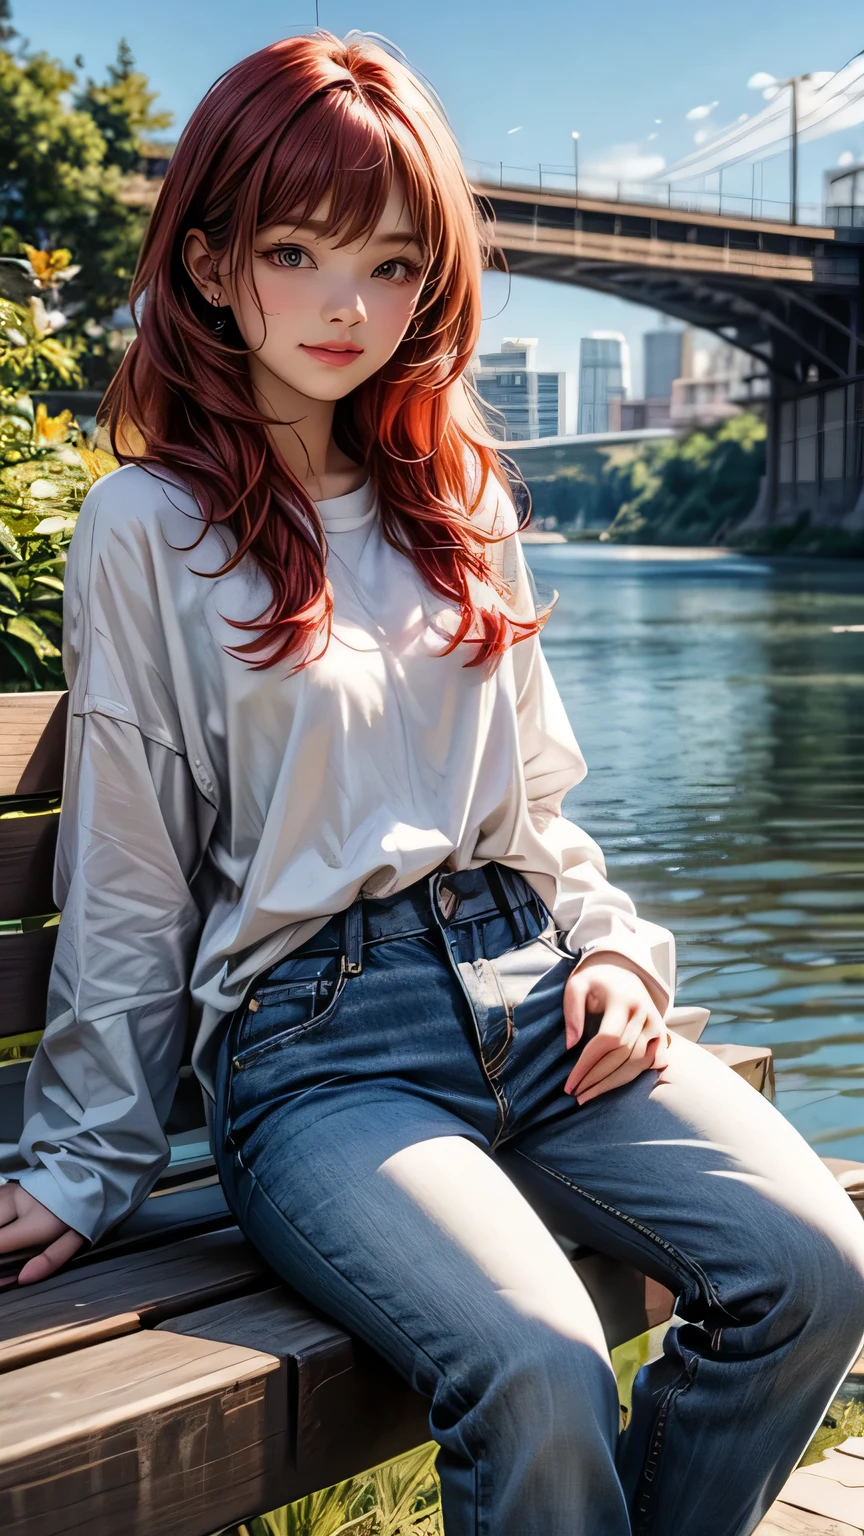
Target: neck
(302, 430)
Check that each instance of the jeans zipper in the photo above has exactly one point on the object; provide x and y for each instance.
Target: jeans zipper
(645, 1498)
(500, 1101)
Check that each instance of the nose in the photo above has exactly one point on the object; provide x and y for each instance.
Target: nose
(344, 305)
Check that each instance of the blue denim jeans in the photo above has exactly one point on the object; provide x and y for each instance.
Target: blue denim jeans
(393, 1136)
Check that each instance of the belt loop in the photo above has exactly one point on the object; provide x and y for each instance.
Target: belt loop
(352, 938)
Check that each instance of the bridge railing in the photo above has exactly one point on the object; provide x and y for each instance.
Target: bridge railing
(683, 199)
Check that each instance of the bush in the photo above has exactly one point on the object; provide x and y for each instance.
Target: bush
(690, 491)
(46, 470)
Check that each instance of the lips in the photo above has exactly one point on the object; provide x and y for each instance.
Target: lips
(337, 354)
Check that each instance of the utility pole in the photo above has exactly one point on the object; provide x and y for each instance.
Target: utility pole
(575, 137)
(793, 155)
(793, 85)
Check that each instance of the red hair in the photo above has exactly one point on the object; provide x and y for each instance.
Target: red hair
(305, 123)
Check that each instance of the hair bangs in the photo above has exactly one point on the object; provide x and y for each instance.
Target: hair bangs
(335, 163)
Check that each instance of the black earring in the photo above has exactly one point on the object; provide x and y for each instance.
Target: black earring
(220, 323)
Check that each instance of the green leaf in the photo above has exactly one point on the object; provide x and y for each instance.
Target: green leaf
(49, 581)
(10, 585)
(8, 539)
(25, 629)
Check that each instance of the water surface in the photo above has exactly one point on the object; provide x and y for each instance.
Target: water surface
(722, 719)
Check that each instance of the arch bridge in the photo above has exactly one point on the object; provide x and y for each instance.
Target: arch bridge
(790, 295)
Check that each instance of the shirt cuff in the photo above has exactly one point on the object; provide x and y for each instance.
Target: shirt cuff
(660, 995)
(648, 950)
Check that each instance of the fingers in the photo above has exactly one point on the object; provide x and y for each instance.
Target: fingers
(7, 1205)
(641, 1059)
(609, 1049)
(29, 1225)
(651, 1051)
(611, 1035)
(32, 1235)
(54, 1256)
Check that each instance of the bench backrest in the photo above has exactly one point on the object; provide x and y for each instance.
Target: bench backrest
(24, 720)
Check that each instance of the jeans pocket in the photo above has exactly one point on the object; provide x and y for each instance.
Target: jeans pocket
(299, 995)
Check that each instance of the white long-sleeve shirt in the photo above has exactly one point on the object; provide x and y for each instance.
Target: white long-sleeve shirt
(215, 816)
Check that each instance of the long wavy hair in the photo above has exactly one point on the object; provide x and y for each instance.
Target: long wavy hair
(307, 124)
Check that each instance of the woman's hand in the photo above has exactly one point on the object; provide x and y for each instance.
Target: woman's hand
(632, 1036)
(26, 1223)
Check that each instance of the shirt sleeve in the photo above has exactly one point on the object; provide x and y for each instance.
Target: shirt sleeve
(103, 1078)
(596, 917)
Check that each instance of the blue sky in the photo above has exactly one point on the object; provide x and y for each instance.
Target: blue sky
(542, 66)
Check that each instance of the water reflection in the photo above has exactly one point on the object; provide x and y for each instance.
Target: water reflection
(722, 723)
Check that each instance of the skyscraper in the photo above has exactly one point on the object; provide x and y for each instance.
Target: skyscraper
(664, 359)
(533, 404)
(604, 375)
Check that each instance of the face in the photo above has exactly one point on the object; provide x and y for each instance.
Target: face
(332, 315)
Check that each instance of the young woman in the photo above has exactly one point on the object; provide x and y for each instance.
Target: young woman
(315, 773)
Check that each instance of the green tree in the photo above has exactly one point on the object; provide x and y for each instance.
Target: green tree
(122, 109)
(7, 31)
(62, 170)
(691, 491)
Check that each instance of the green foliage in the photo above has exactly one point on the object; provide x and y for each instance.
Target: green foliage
(31, 357)
(122, 109)
(843, 1421)
(46, 471)
(666, 491)
(64, 157)
(401, 1498)
(691, 491)
(586, 491)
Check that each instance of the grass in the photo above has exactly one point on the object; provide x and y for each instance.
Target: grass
(844, 1420)
(399, 1498)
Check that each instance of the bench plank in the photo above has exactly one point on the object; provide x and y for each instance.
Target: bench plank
(23, 718)
(348, 1409)
(784, 1520)
(149, 1434)
(154, 1285)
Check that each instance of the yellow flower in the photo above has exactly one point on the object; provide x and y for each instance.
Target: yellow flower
(50, 266)
(50, 431)
(97, 463)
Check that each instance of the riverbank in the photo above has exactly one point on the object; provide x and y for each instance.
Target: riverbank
(799, 541)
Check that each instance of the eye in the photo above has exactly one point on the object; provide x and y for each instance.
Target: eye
(291, 256)
(397, 271)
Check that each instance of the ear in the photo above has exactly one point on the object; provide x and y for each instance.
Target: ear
(202, 266)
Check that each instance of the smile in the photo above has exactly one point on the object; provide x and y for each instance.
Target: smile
(337, 353)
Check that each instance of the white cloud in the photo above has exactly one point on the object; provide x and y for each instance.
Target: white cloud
(759, 81)
(627, 162)
(651, 137)
(701, 136)
(696, 112)
(658, 120)
(744, 118)
(514, 130)
(847, 158)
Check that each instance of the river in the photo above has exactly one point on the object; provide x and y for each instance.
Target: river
(722, 719)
